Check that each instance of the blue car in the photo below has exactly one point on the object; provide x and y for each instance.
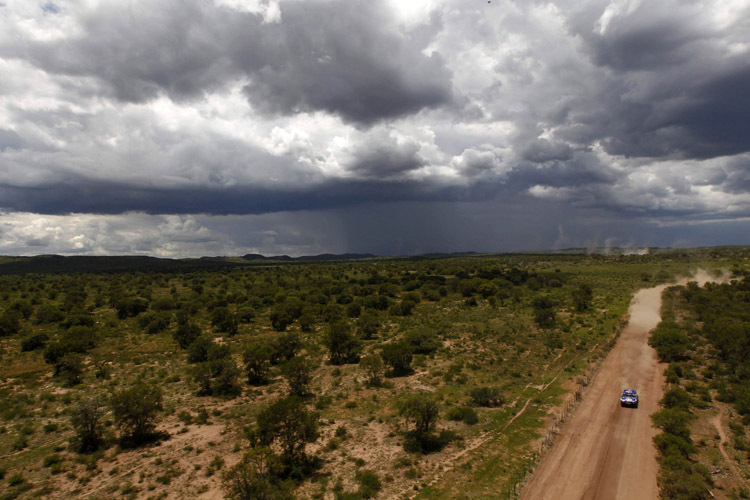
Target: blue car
(629, 398)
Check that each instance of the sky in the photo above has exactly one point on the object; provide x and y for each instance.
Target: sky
(183, 128)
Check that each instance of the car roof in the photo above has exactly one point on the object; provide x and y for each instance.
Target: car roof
(629, 391)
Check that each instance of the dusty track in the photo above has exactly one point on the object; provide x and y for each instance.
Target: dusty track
(605, 451)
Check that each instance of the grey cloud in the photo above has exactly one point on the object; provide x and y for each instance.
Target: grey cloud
(583, 171)
(673, 89)
(9, 139)
(737, 172)
(101, 197)
(347, 57)
(137, 51)
(381, 156)
(542, 150)
(344, 57)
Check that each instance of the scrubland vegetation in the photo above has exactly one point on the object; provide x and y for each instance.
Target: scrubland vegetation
(705, 338)
(429, 377)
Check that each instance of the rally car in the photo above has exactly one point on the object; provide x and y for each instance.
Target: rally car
(629, 398)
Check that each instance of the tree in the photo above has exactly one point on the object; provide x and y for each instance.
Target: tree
(420, 409)
(70, 367)
(398, 356)
(285, 347)
(256, 477)
(257, 358)
(298, 373)
(136, 411)
(224, 321)
(343, 346)
(373, 366)
(198, 350)
(368, 324)
(670, 342)
(280, 319)
(288, 423)
(86, 418)
(582, 297)
(544, 312)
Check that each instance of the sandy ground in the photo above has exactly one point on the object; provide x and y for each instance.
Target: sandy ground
(606, 451)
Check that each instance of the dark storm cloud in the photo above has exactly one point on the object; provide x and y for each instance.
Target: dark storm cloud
(101, 197)
(674, 87)
(346, 57)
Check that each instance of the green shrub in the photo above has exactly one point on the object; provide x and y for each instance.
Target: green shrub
(486, 396)
(34, 342)
(369, 483)
(464, 414)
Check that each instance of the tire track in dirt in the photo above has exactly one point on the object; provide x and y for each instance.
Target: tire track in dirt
(716, 421)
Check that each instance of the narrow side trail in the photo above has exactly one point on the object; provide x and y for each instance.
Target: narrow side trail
(606, 451)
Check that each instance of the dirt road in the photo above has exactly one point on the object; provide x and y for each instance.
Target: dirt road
(606, 452)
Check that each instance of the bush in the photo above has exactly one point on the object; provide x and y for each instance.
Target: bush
(47, 313)
(78, 339)
(155, 322)
(369, 483)
(86, 320)
(34, 342)
(423, 341)
(186, 334)
(486, 396)
(130, 306)
(464, 414)
(10, 322)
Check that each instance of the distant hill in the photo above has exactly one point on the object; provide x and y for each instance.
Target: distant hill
(321, 257)
(119, 264)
